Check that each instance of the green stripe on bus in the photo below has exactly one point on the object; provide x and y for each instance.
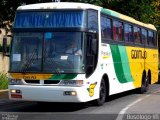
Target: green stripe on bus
(118, 63)
(110, 12)
(63, 76)
(125, 63)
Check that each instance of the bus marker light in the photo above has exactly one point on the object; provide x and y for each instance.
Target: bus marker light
(88, 82)
(71, 93)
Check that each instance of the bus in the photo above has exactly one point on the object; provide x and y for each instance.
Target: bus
(118, 53)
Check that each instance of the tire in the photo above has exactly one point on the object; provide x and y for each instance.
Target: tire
(145, 84)
(158, 77)
(102, 94)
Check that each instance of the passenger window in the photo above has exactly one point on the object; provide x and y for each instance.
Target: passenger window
(106, 28)
(118, 30)
(137, 38)
(144, 37)
(128, 34)
(151, 40)
(155, 39)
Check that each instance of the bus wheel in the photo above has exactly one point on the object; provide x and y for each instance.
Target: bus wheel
(102, 94)
(145, 84)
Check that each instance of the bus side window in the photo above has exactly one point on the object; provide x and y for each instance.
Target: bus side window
(106, 28)
(128, 33)
(144, 36)
(137, 35)
(118, 30)
(155, 39)
(151, 40)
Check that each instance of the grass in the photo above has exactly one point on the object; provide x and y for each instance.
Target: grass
(3, 81)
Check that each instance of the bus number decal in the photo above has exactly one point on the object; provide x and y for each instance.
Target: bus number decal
(29, 77)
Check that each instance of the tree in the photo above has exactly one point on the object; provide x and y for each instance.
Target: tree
(147, 11)
(7, 12)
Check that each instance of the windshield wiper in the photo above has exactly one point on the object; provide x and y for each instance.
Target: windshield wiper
(56, 69)
(30, 60)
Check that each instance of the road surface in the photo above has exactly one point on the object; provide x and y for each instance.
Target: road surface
(125, 106)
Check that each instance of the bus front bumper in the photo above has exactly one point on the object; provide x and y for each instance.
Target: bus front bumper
(48, 93)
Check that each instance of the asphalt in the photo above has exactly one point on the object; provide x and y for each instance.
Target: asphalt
(3, 94)
(4, 99)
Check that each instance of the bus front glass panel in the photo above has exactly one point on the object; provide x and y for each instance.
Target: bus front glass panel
(49, 52)
(50, 19)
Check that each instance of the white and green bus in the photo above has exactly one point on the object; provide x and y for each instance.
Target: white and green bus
(117, 53)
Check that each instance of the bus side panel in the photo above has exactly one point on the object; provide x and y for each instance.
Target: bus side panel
(107, 67)
(151, 63)
(120, 63)
(136, 62)
(122, 66)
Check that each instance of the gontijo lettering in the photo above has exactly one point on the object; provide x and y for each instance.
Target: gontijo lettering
(138, 54)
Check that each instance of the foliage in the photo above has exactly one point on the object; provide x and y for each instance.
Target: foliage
(147, 11)
(8, 48)
(3, 81)
(156, 15)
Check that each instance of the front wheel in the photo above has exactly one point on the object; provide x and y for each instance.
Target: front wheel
(102, 94)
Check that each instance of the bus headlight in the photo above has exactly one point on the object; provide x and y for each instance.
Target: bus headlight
(15, 82)
(71, 82)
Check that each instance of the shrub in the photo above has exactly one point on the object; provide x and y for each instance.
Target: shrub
(8, 48)
(3, 81)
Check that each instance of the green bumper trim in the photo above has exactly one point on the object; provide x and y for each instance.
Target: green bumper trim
(63, 76)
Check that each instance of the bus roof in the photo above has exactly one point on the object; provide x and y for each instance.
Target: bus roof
(59, 5)
(73, 5)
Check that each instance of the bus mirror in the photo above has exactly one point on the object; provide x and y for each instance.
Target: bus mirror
(5, 47)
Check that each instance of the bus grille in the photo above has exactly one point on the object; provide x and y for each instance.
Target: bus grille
(51, 81)
(45, 81)
(32, 81)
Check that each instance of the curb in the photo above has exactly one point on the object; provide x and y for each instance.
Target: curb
(4, 90)
(4, 94)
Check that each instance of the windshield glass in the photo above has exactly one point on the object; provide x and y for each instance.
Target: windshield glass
(53, 19)
(50, 52)
(26, 54)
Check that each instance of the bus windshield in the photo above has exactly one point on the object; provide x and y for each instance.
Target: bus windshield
(49, 52)
(50, 19)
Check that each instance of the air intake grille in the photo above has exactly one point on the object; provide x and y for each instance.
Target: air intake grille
(32, 81)
(51, 81)
(45, 81)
